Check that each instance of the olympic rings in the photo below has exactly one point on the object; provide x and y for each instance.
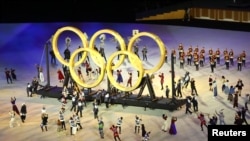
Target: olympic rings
(138, 65)
(55, 46)
(89, 48)
(160, 44)
(117, 37)
(98, 60)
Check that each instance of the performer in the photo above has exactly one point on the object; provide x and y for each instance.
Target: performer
(172, 129)
(14, 107)
(180, 49)
(144, 53)
(118, 48)
(217, 52)
(243, 56)
(189, 58)
(202, 119)
(60, 75)
(212, 64)
(196, 60)
(119, 76)
(201, 59)
(13, 119)
(23, 112)
(8, 76)
(136, 50)
(113, 128)
(210, 53)
(165, 124)
(44, 122)
(13, 74)
(231, 56)
(53, 57)
(41, 76)
(227, 60)
(174, 55)
(161, 75)
(100, 127)
(210, 81)
(129, 82)
(137, 124)
(239, 62)
(182, 60)
(203, 53)
(119, 124)
(79, 72)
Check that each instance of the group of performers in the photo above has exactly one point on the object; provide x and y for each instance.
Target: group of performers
(197, 57)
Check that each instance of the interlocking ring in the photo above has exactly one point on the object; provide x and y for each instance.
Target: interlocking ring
(98, 60)
(135, 63)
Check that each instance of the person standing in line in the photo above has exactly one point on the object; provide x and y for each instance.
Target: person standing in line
(239, 63)
(8, 76)
(100, 127)
(44, 122)
(161, 75)
(144, 53)
(119, 124)
(23, 112)
(221, 117)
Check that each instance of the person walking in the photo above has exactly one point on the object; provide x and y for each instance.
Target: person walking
(202, 119)
(119, 124)
(77, 121)
(137, 124)
(100, 127)
(44, 123)
(113, 128)
(8, 76)
(193, 87)
(23, 112)
(188, 105)
(221, 117)
(195, 103)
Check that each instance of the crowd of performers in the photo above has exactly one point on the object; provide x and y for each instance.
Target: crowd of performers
(78, 99)
(196, 56)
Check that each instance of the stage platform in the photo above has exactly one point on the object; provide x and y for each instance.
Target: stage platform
(129, 100)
